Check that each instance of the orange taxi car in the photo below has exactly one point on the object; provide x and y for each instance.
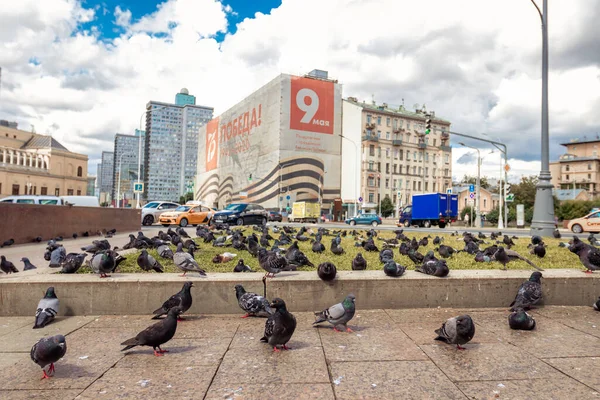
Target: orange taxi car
(589, 223)
(188, 214)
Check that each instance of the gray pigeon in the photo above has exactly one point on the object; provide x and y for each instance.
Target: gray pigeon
(48, 350)
(181, 299)
(280, 326)
(165, 251)
(103, 262)
(359, 263)
(241, 267)
(27, 264)
(597, 305)
(6, 266)
(339, 314)
(57, 257)
(271, 262)
(437, 268)
(254, 304)
(73, 262)
(148, 263)
(157, 334)
(529, 294)
(458, 330)
(47, 309)
(520, 320)
(392, 268)
(186, 262)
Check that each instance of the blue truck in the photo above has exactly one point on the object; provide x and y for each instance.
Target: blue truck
(430, 209)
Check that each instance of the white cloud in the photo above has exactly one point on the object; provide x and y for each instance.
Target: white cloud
(475, 63)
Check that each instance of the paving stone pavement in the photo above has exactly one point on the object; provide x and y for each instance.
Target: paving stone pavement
(390, 355)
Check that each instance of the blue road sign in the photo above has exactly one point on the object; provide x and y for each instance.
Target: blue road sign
(360, 199)
(471, 188)
(287, 197)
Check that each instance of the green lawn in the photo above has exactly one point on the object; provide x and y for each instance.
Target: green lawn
(556, 257)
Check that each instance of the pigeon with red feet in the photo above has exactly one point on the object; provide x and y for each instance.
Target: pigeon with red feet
(157, 334)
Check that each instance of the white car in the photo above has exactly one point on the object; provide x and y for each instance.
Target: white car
(152, 210)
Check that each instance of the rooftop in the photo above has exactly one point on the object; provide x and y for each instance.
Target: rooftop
(567, 194)
(43, 142)
(401, 111)
(583, 141)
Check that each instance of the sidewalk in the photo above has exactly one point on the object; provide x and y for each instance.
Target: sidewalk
(391, 355)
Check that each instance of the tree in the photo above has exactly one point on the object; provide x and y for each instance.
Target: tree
(466, 210)
(184, 199)
(387, 208)
(525, 191)
(472, 180)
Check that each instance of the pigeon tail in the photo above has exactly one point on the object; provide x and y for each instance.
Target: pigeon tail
(130, 343)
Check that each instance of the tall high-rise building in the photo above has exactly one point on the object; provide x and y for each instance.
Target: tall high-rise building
(105, 174)
(184, 97)
(126, 157)
(171, 147)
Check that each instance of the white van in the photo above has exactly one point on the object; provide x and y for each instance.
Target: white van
(82, 201)
(32, 199)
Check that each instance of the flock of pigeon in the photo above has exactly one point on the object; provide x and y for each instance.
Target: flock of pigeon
(281, 324)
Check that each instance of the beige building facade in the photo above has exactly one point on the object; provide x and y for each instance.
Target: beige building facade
(579, 167)
(38, 164)
(489, 200)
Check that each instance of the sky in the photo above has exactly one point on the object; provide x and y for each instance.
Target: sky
(84, 70)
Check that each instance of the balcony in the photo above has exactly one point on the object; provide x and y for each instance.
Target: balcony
(372, 138)
(397, 142)
(422, 145)
(445, 148)
(370, 125)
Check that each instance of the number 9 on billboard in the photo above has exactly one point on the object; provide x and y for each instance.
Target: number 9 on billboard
(311, 105)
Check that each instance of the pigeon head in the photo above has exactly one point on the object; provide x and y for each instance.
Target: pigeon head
(359, 255)
(25, 259)
(535, 277)
(180, 247)
(278, 304)
(241, 262)
(463, 320)
(174, 312)
(50, 293)
(2, 258)
(349, 299)
(59, 340)
(188, 285)
(239, 290)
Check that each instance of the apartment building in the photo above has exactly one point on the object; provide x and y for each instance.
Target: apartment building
(397, 159)
(579, 167)
(125, 165)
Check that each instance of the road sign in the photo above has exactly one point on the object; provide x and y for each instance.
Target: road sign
(449, 191)
(288, 197)
(138, 187)
(360, 199)
(471, 188)
(472, 195)
(510, 198)
(243, 194)
(506, 167)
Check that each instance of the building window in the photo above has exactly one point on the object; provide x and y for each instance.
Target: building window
(79, 171)
(387, 121)
(426, 157)
(407, 124)
(395, 199)
(378, 120)
(589, 176)
(15, 190)
(567, 167)
(484, 203)
(401, 155)
(447, 159)
(434, 186)
(395, 168)
(379, 134)
(370, 165)
(434, 141)
(368, 119)
(387, 153)
(396, 154)
(57, 192)
(78, 192)
(426, 186)
(589, 167)
(399, 183)
(387, 135)
(419, 185)
(415, 155)
(370, 197)
(426, 171)
(387, 183)
(44, 191)
(565, 175)
(414, 170)
(371, 150)
(420, 156)
(69, 192)
(379, 152)
(371, 182)
(387, 168)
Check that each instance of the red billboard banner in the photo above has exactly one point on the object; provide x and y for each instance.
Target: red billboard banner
(311, 105)
(212, 143)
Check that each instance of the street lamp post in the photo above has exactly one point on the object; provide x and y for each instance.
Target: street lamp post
(119, 181)
(543, 209)
(478, 186)
(356, 166)
(280, 181)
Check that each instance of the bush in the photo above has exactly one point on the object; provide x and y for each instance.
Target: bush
(466, 210)
(571, 209)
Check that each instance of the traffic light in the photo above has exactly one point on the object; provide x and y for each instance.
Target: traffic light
(428, 126)
(250, 178)
(507, 188)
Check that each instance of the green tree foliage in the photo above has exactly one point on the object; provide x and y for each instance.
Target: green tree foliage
(184, 199)
(466, 210)
(472, 180)
(525, 191)
(571, 209)
(387, 208)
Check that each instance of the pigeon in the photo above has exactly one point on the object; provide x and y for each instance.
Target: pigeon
(416, 257)
(280, 326)
(141, 236)
(535, 240)
(7, 243)
(437, 268)
(38, 239)
(359, 263)
(165, 251)
(96, 246)
(271, 262)
(147, 262)
(447, 251)
(392, 268)
(112, 231)
(58, 238)
(339, 314)
(186, 262)
(480, 257)
(588, 255)
(75, 235)
(385, 255)
(508, 241)
(539, 250)
(327, 271)
(181, 299)
(520, 320)
(481, 235)
(103, 262)
(241, 267)
(27, 264)
(181, 232)
(6, 266)
(157, 334)
(48, 350)
(72, 263)
(298, 259)
(336, 248)
(253, 304)
(556, 234)
(597, 305)
(47, 309)
(318, 247)
(529, 293)
(57, 257)
(223, 258)
(501, 257)
(437, 241)
(458, 330)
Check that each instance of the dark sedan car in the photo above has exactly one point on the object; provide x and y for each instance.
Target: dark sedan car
(241, 214)
(275, 216)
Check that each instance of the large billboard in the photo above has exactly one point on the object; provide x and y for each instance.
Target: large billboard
(278, 145)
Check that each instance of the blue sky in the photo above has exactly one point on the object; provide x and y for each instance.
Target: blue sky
(105, 12)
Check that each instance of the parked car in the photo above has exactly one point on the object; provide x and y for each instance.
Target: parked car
(589, 223)
(152, 210)
(275, 216)
(81, 201)
(364, 219)
(33, 199)
(242, 214)
(189, 214)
